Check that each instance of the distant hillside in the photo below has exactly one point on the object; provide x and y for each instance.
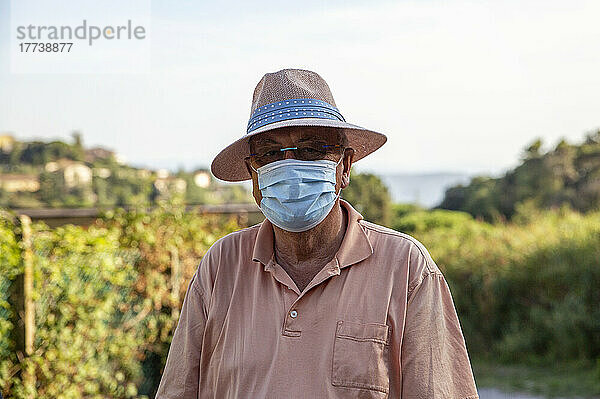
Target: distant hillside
(568, 174)
(36, 174)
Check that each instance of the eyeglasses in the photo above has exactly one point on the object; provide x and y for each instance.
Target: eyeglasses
(305, 152)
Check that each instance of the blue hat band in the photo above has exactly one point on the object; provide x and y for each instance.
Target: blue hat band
(292, 109)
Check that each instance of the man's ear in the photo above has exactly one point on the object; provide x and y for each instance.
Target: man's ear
(345, 180)
(255, 191)
(348, 158)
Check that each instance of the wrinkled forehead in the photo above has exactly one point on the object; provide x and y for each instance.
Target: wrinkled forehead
(298, 134)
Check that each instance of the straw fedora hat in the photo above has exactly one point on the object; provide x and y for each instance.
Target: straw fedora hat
(291, 97)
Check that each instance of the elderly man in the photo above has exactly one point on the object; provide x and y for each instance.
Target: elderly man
(314, 302)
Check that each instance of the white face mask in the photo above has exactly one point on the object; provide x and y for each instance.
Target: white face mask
(297, 195)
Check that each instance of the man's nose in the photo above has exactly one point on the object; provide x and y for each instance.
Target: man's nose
(288, 154)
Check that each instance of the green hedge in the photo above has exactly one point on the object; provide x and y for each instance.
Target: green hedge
(10, 255)
(107, 297)
(524, 292)
(104, 300)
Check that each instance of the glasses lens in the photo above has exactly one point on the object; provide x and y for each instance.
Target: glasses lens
(305, 152)
(268, 157)
(310, 153)
(315, 152)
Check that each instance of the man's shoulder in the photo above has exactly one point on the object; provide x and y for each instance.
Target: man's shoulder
(224, 256)
(241, 234)
(394, 240)
(382, 230)
(239, 239)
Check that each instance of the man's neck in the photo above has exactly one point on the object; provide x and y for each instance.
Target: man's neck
(303, 254)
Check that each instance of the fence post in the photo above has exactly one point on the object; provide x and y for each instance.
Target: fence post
(28, 284)
(242, 218)
(24, 310)
(175, 276)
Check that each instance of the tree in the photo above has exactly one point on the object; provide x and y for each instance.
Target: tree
(533, 150)
(480, 198)
(566, 175)
(78, 145)
(52, 188)
(369, 196)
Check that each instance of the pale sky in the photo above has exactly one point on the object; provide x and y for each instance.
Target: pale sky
(457, 86)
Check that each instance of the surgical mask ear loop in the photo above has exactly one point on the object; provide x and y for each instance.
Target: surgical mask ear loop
(338, 162)
(340, 190)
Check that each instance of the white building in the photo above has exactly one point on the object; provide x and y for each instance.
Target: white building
(75, 173)
(202, 179)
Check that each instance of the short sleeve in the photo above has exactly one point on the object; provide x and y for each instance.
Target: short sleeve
(434, 358)
(180, 378)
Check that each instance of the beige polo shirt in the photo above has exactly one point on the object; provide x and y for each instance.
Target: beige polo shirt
(378, 321)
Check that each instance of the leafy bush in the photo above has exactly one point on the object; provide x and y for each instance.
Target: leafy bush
(171, 243)
(81, 280)
(421, 220)
(106, 299)
(554, 294)
(370, 196)
(10, 254)
(567, 174)
(525, 292)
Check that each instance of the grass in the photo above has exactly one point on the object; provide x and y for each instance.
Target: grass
(560, 380)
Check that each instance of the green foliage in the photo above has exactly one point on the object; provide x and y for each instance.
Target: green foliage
(230, 193)
(163, 236)
(369, 196)
(39, 152)
(10, 255)
(123, 187)
(195, 194)
(553, 298)
(107, 299)
(54, 192)
(400, 210)
(559, 380)
(480, 198)
(418, 220)
(568, 174)
(21, 200)
(84, 296)
(52, 188)
(113, 184)
(4, 198)
(524, 292)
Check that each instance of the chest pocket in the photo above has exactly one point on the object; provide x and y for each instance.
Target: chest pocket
(361, 356)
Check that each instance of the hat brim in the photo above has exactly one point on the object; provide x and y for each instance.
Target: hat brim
(229, 164)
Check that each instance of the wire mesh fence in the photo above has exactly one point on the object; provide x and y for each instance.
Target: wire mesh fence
(105, 299)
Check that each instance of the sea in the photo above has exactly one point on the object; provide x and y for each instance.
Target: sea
(426, 190)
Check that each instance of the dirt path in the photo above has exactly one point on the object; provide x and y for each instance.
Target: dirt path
(493, 393)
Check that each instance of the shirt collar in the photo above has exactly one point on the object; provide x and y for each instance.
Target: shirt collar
(355, 246)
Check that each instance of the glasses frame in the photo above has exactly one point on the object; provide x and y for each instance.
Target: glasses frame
(249, 157)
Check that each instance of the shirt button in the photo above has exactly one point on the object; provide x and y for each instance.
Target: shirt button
(293, 314)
